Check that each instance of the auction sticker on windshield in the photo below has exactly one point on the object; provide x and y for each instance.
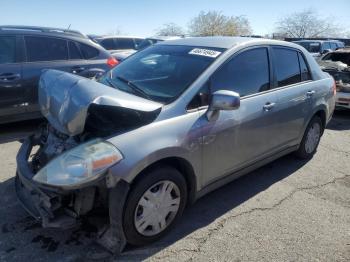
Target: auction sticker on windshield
(204, 52)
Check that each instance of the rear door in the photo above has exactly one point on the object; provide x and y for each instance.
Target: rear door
(295, 91)
(13, 92)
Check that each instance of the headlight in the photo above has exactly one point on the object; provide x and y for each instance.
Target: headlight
(79, 165)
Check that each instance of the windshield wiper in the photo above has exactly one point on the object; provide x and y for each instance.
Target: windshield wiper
(134, 87)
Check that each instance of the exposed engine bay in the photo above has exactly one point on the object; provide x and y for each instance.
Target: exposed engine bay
(337, 64)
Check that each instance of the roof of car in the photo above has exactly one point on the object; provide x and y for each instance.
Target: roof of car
(41, 30)
(223, 41)
(117, 36)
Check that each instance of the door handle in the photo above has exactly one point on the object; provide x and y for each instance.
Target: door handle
(77, 69)
(9, 77)
(268, 106)
(310, 93)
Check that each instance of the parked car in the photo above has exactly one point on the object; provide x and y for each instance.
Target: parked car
(337, 64)
(121, 56)
(25, 51)
(118, 43)
(317, 48)
(153, 40)
(165, 127)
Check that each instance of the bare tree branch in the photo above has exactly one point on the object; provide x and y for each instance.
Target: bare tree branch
(213, 23)
(308, 24)
(170, 29)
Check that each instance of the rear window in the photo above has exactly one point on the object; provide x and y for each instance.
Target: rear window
(341, 57)
(125, 43)
(7, 49)
(108, 44)
(305, 73)
(88, 52)
(45, 49)
(312, 47)
(286, 64)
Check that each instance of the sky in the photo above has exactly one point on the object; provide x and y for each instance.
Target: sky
(144, 17)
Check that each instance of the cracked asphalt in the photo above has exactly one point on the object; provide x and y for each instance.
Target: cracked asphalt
(289, 210)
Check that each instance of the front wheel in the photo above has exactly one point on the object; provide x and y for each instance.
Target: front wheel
(311, 139)
(154, 204)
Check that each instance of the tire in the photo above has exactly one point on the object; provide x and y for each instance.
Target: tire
(309, 143)
(154, 182)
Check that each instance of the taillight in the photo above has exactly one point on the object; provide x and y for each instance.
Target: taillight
(112, 62)
(334, 88)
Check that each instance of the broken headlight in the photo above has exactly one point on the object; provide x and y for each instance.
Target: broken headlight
(79, 165)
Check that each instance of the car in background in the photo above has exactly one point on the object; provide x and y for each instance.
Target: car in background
(337, 64)
(317, 48)
(120, 56)
(153, 40)
(116, 44)
(168, 125)
(26, 51)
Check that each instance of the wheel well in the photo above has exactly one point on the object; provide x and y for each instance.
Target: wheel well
(322, 115)
(183, 166)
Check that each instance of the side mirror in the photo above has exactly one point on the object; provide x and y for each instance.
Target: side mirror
(223, 100)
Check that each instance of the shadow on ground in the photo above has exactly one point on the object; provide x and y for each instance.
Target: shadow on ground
(340, 120)
(201, 214)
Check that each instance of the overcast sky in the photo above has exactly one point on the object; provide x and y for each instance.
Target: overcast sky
(144, 17)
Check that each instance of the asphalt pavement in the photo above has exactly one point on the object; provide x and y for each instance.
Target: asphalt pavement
(288, 210)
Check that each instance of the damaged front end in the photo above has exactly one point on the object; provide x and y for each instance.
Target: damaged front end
(62, 173)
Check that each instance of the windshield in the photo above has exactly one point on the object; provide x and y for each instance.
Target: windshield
(147, 42)
(161, 72)
(312, 47)
(342, 57)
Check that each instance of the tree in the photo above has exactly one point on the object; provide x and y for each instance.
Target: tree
(308, 24)
(170, 29)
(213, 23)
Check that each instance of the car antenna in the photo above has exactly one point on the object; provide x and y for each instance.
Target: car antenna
(69, 26)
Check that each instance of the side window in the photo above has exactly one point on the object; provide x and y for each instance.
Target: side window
(326, 45)
(201, 98)
(334, 46)
(247, 73)
(286, 65)
(74, 52)
(125, 43)
(7, 49)
(108, 44)
(45, 49)
(88, 51)
(305, 73)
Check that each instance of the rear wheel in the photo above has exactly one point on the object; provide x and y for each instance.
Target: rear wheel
(154, 204)
(311, 139)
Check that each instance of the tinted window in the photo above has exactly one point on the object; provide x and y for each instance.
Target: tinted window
(338, 56)
(125, 43)
(108, 44)
(312, 47)
(201, 98)
(305, 74)
(334, 46)
(247, 73)
(88, 51)
(45, 49)
(7, 49)
(326, 45)
(286, 64)
(74, 52)
(162, 72)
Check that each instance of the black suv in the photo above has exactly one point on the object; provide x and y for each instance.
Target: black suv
(26, 51)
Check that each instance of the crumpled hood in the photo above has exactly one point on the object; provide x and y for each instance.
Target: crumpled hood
(332, 65)
(65, 100)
